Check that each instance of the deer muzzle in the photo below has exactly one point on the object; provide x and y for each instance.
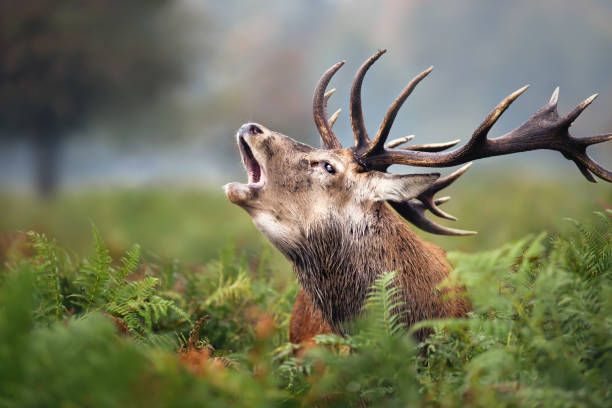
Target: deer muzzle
(240, 193)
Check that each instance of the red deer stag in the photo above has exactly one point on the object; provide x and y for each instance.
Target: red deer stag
(325, 209)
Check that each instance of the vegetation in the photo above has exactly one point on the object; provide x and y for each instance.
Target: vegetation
(139, 331)
(63, 62)
(194, 225)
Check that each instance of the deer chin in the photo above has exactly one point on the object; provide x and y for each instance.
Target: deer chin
(244, 193)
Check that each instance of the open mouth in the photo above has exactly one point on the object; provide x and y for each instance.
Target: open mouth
(254, 171)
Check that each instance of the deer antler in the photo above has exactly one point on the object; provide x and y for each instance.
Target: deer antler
(432, 147)
(544, 130)
(415, 211)
(427, 197)
(319, 109)
(383, 131)
(361, 135)
(399, 141)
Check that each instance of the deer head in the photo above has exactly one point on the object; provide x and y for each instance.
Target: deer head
(325, 208)
(292, 186)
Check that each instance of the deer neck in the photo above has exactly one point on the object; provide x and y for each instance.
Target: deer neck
(336, 261)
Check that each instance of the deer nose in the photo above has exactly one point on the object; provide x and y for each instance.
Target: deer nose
(250, 129)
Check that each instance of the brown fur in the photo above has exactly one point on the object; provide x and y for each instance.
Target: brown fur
(339, 233)
(341, 273)
(306, 320)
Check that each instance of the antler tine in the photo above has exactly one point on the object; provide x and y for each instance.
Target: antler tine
(328, 95)
(427, 197)
(432, 147)
(319, 107)
(578, 109)
(399, 141)
(414, 212)
(577, 153)
(583, 161)
(357, 122)
(480, 134)
(575, 148)
(583, 169)
(333, 117)
(587, 141)
(554, 97)
(385, 126)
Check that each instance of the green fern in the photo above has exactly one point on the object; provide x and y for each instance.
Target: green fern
(94, 276)
(138, 305)
(230, 289)
(385, 306)
(97, 285)
(539, 334)
(48, 276)
(129, 264)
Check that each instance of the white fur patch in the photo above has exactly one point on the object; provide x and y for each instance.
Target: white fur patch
(278, 234)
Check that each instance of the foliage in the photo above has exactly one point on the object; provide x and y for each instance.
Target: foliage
(97, 285)
(62, 61)
(63, 58)
(539, 334)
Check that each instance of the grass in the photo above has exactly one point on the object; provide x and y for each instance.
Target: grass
(194, 226)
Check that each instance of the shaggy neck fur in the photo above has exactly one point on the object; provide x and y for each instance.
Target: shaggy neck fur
(336, 263)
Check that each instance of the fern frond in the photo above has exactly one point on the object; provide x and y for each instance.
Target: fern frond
(48, 275)
(384, 304)
(231, 290)
(129, 264)
(138, 305)
(95, 274)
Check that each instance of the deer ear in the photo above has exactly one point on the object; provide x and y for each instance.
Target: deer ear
(398, 188)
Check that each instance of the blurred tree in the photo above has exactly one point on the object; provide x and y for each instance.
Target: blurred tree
(63, 60)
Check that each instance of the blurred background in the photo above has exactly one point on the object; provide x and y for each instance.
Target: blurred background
(123, 114)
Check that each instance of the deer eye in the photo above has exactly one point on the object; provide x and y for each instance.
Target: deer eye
(329, 168)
